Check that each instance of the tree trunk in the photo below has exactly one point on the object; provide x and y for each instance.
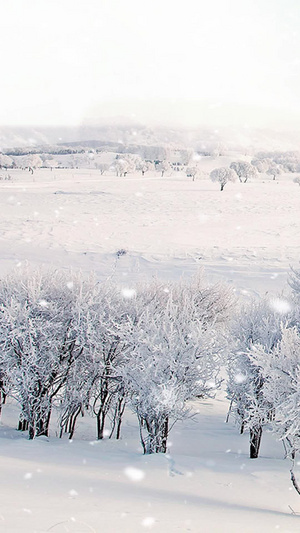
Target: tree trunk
(23, 425)
(157, 430)
(222, 186)
(165, 431)
(100, 424)
(255, 440)
(31, 432)
(117, 418)
(42, 425)
(73, 421)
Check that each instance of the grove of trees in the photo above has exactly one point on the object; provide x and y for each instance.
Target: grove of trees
(71, 346)
(77, 346)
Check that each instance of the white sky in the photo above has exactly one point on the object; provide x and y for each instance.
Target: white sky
(231, 61)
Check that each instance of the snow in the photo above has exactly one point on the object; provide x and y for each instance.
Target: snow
(248, 235)
(206, 483)
(280, 305)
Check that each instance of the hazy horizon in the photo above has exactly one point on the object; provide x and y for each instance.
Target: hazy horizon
(214, 64)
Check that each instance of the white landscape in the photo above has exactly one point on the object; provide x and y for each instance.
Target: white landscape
(246, 236)
(150, 266)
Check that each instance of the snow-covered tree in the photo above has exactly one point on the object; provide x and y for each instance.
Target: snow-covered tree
(103, 167)
(33, 161)
(294, 282)
(102, 329)
(243, 170)
(36, 342)
(6, 161)
(164, 167)
(122, 166)
(258, 323)
(297, 180)
(274, 170)
(280, 369)
(222, 175)
(145, 166)
(174, 356)
(261, 165)
(192, 172)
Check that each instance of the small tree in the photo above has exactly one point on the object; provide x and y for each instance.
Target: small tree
(274, 170)
(297, 180)
(243, 170)
(192, 172)
(174, 356)
(281, 372)
(256, 324)
(122, 167)
(261, 165)
(222, 175)
(103, 167)
(164, 167)
(6, 161)
(36, 342)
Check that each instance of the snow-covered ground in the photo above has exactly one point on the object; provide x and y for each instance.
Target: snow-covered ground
(206, 484)
(247, 235)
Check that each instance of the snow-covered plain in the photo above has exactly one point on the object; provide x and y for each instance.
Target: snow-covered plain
(248, 235)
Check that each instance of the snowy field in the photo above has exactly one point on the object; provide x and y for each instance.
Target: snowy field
(248, 235)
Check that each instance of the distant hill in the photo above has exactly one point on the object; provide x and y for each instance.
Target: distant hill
(118, 136)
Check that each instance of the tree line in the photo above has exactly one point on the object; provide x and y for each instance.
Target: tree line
(79, 347)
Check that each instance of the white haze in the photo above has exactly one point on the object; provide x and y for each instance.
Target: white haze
(189, 63)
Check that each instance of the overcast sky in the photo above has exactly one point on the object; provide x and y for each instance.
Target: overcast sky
(191, 61)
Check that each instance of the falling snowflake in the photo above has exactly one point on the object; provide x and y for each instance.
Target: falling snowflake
(280, 305)
(73, 493)
(43, 303)
(70, 285)
(134, 474)
(240, 378)
(128, 293)
(149, 521)
(28, 475)
(197, 157)
(211, 384)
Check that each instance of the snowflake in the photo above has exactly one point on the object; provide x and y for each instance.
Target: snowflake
(128, 293)
(149, 522)
(197, 157)
(73, 493)
(280, 306)
(240, 378)
(134, 474)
